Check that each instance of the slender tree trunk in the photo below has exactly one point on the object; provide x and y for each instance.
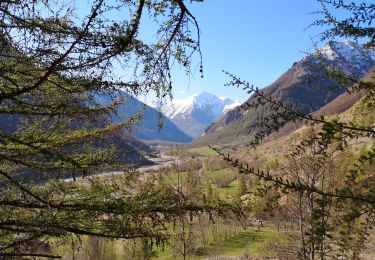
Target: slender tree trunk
(301, 223)
(322, 243)
(183, 238)
(312, 246)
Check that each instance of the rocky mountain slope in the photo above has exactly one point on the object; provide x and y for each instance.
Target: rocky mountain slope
(304, 87)
(193, 114)
(346, 100)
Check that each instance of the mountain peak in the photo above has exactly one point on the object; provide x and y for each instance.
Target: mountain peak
(301, 86)
(354, 54)
(208, 100)
(204, 94)
(193, 114)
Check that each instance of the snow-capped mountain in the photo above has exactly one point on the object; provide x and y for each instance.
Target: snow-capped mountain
(193, 114)
(305, 87)
(340, 54)
(213, 105)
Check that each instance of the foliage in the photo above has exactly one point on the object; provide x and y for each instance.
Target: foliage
(335, 200)
(358, 24)
(242, 188)
(222, 181)
(55, 64)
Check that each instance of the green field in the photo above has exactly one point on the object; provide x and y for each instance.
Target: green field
(228, 192)
(204, 150)
(218, 173)
(250, 242)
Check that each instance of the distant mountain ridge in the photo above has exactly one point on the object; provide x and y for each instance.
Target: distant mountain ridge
(149, 127)
(304, 87)
(195, 113)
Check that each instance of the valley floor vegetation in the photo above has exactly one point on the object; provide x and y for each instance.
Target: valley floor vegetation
(304, 194)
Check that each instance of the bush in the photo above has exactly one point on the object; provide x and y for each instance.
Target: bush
(189, 166)
(223, 181)
(214, 164)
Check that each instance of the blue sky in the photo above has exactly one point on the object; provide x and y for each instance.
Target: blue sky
(256, 40)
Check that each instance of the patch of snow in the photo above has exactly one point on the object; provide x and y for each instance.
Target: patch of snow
(178, 106)
(328, 53)
(231, 106)
(204, 102)
(355, 54)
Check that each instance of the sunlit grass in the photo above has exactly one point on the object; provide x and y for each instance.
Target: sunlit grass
(250, 241)
(204, 150)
